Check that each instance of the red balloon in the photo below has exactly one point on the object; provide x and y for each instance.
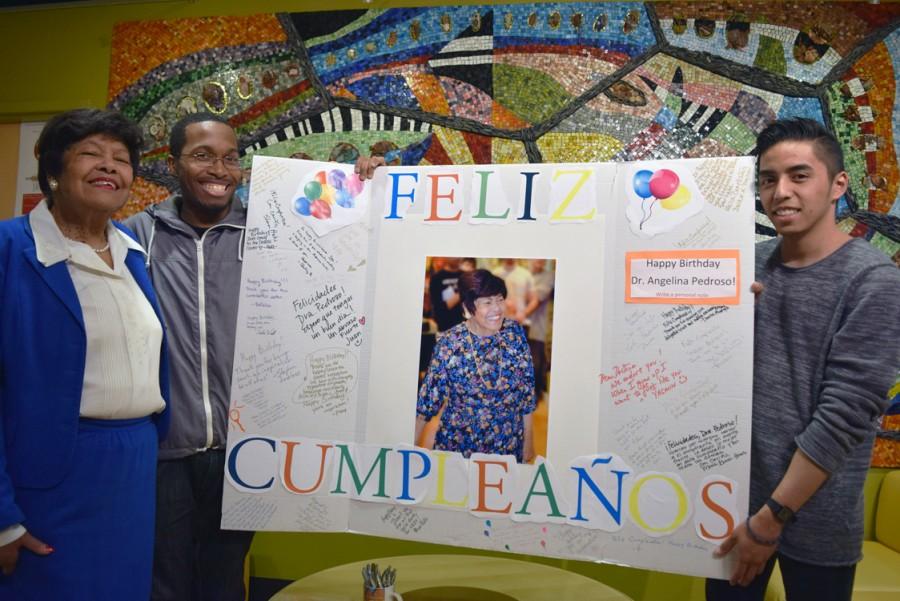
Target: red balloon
(664, 183)
(321, 178)
(320, 209)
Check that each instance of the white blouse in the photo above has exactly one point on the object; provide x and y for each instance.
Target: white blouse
(124, 336)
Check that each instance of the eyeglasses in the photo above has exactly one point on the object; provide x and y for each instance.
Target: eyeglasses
(232, 161)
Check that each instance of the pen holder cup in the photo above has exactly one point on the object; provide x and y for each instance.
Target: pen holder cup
(381, 594)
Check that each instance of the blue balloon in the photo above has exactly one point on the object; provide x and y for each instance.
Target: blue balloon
(642, 183)
(344, 199)
(301, 206)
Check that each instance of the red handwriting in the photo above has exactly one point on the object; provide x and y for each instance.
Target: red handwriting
(234, 416)
(639, 382)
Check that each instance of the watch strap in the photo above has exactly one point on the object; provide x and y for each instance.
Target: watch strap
(782, 513)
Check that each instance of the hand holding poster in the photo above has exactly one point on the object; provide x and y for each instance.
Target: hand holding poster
(647, 415)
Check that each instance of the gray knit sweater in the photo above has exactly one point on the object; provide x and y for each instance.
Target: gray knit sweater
(827, 348)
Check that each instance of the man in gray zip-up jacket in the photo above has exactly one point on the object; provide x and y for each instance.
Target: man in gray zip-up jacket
(194, 243)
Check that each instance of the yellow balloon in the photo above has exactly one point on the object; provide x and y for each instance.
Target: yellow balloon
(681, 197)
(327, 194)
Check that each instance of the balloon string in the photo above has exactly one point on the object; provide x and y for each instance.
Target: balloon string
(644, 214)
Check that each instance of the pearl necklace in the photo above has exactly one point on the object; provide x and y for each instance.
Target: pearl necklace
(501, 347)
(102, 249)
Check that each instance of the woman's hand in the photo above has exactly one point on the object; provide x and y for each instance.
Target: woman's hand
(421, 422)
(9, 553)
(528, 453)
(528, 443)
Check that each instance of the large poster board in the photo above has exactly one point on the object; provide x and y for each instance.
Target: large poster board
(647, 439)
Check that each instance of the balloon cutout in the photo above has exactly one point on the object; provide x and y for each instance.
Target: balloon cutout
(313, 190)
(642, 183)
(681, 197)
(662, 185)
(320, 209)
(301, 206)
(324, 191)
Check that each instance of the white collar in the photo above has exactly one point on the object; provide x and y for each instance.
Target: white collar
(50, 244)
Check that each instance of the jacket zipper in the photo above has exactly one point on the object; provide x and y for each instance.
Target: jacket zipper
(204, 354)
(204, 376)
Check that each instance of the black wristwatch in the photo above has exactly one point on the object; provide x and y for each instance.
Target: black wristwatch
(783, 514)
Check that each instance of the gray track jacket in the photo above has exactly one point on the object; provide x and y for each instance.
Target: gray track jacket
(197, 281)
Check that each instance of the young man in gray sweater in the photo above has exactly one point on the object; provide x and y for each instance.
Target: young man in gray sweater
(827, 348)
(194, 242)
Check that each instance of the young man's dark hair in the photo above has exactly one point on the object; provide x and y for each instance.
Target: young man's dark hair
(825, 145)
(178, 135)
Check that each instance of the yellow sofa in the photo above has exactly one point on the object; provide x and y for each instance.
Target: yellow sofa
(878, 574)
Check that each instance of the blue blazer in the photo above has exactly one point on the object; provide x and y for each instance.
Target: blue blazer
(42, 355)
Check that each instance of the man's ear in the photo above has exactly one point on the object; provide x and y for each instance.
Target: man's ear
(839, 185)
(173, 169)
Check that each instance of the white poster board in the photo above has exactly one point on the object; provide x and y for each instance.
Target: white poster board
(648, 430)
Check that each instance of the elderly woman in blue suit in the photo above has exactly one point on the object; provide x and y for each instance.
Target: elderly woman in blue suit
(83, 376)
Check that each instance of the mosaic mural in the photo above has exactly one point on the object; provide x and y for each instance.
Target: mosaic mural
(556, 82)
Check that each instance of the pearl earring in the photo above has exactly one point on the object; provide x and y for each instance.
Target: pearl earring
(53, 184)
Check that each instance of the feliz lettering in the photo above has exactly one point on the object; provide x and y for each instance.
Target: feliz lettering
(567, 194)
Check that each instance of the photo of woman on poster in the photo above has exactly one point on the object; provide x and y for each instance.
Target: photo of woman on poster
(480, 378)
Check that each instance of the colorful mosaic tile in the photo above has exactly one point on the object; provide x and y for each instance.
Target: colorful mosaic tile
(579, 79)
(578, 147)
(886, 452)
(141, 46)
(862, 113)
(668, 108)
(324, 146)
(508, 151)
(531, 60)
(766, 35)
(143, 194)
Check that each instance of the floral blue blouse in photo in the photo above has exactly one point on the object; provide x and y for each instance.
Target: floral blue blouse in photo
(487, 383)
